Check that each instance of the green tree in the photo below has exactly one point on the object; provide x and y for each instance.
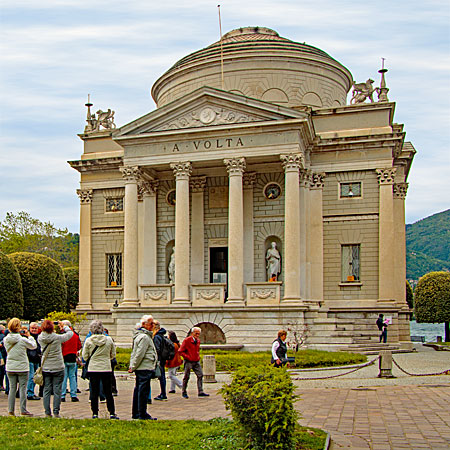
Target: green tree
(432, 300)
(409, 295)
(43, 284)
(11, 295)
(22, 233)
(72, 279)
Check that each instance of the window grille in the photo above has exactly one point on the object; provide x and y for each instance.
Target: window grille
(114, 269)
(350, 262)
(350, 190)
(114, 204)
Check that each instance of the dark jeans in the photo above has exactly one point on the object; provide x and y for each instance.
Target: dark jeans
(140, 393)
(52, 385)
(197, 368)
(105, 378)
(162, 380)
(383, 335)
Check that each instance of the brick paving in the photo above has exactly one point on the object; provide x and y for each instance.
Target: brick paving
(415, 416)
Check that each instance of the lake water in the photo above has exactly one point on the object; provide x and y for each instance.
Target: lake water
(429, 330)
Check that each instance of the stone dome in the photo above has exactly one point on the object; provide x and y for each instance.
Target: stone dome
(259, 63)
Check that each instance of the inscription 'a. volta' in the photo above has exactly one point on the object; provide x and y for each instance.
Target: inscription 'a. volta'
(213, 144)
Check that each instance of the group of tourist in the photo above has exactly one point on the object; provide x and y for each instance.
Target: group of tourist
(23, 351)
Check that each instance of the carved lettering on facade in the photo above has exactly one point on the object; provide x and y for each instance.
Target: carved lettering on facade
(211, 144)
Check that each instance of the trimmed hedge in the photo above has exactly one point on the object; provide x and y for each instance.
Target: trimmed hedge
(72, 276)
(409, 295)
(261, 400)
(43, 284)
(11, 294)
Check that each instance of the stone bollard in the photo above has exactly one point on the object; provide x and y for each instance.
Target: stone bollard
(209, 369)
(385, 364)
(439, 339)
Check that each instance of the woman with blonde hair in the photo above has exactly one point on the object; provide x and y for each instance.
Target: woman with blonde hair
(17, 366)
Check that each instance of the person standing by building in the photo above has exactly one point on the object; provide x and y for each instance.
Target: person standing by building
(174, 363)
(190, 351)
(159, 339)
(70, 351)
(99, 350)
(382, 326)
(143, 361)
(17, 366)
(279, 350)
(34, 358)
(53, 365)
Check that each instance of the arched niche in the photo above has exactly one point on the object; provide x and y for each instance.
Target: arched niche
(267, 246)
(211, 333)
(275, 95)
(169, 248)
(312, 99)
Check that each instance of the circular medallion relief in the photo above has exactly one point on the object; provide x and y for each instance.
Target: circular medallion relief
(207, 115)
(170, 197)
(272, 191)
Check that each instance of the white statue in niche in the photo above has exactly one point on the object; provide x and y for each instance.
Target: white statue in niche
(171, 268)
(273, 262)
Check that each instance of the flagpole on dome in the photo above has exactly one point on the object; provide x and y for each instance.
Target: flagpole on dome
(221, 48)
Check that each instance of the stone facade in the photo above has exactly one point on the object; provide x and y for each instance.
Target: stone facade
(215, 176)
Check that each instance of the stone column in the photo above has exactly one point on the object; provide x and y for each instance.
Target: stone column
(292, 163)
(131, 176)
(197, 230)
(85, 251)
(235, 169)
(249, 260)
(304, 176)
(182, 172)
(386, 249)
(316, 236)
(149, 190)
(400, 190)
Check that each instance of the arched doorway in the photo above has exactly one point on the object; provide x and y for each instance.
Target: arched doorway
(211, 333)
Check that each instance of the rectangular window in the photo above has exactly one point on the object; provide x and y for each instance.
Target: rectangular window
(114, 204)
(114, 261)
(350, 263)
(350, 190)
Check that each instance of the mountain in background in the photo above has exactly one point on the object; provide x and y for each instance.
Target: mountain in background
(428, 245)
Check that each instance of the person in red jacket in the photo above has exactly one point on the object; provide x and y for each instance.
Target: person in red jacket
(70, 350)
(190, 351)
(174, 363)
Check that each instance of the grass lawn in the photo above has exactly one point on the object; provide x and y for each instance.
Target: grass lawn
(71, 434)
(231, 360)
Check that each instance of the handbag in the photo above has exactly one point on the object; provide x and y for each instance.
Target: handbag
(38, 376)
(157, 372)
(85, 369)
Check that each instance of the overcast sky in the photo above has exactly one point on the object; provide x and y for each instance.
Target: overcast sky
(54, 52)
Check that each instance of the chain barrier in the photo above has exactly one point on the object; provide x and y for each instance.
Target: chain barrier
(341, 374)
(445, 372)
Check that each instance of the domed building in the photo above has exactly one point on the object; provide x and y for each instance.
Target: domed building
(253, 198)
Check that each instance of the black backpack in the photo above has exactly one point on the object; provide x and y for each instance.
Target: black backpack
(167, 350)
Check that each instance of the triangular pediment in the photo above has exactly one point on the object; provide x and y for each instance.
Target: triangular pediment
(207, 107)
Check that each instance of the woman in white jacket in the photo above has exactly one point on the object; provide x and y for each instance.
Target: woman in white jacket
(100, 349)
(17, 366)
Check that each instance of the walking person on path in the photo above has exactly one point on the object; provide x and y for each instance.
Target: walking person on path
(17, 366)
(99, 350)
(159, 339)
(190, 351)
(53, 365)
(174, 364)
(143, 361)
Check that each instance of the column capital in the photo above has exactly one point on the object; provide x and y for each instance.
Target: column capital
(131, 174)
(292, 162)
(386, 176)
(317, 180)
(85, 195)
(197, 184)
(400, 190)
(249, 180)
(147, 188)
(304, 178)
(235, 166)
(181, 170)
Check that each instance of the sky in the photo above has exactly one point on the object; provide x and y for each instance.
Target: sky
(53, 53)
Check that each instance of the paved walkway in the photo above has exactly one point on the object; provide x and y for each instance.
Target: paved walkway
(359, 410)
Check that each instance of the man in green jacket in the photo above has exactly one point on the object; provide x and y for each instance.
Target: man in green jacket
(143, 362)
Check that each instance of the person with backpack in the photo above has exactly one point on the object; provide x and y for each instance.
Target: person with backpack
(174, 363)
(166, 351)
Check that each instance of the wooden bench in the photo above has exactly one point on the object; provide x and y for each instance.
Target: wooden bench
(418, 339)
